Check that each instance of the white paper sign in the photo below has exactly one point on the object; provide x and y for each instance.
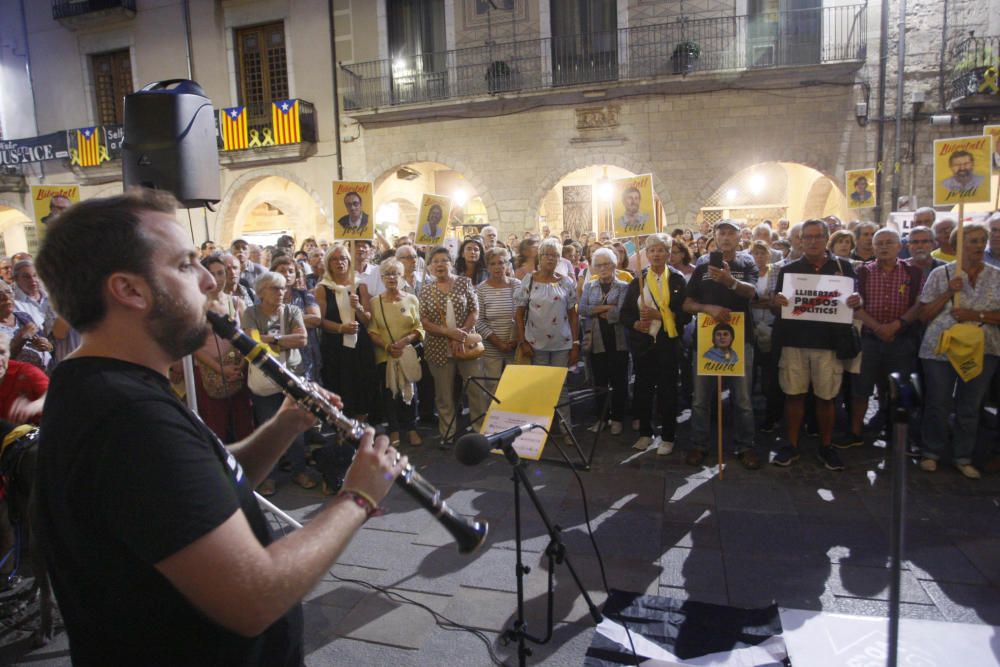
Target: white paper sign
(527, 445)
(817, 298)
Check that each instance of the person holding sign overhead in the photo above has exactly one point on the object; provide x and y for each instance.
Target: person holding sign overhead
(724, 285)
(809, 346)
(654, 319)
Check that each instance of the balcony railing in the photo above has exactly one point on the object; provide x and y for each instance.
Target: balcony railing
(778, 39)
(62, 9)
(975, 71)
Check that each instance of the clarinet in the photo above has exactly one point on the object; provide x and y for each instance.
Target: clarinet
(468, 533)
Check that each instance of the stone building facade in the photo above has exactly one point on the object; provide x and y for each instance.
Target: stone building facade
(506, 105)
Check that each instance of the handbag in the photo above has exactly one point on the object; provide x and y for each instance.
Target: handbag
(216, 386)
(418, 372)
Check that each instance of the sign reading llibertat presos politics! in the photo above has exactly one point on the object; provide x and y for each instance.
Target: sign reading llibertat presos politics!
(435, 211)
(49, 201)
(860, 188)
(352, 211)
(817, 298)
(632, 206)
(720, 345)
(962, 170)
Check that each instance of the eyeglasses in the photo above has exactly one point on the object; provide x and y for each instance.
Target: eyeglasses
(813, 238)
(390, 275)
(550, 255)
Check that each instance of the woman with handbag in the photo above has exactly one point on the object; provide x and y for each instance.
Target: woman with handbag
(395, 330)
(496, 316)
(604, 336)
(448, 312)
(546, 315)
(279, 326)
(219, 377)
(348, 356)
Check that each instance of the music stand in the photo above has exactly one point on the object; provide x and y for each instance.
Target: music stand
(447, 443)
(573, 398)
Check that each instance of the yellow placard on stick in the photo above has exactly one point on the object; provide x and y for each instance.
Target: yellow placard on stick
(526, 394)
(48, 201)
(994, 131)
(720, 345)
(962, 170)
(352, 211)
(633, 206)
(860, 186)
(435, 211)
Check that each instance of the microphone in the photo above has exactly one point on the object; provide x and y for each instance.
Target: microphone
(473, 448)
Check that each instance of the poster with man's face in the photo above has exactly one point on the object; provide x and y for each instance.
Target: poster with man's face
(962, 170)
(49, 201)
(860, 188)
(352, 211)
(435, 211)
(632, 206)
(994, 131)
(720, 345)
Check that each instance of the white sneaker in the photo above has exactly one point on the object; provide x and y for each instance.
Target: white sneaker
(928, 465)
(664, 448)
(596, 427)
(643, 443)
(968, 470)
(617, 428)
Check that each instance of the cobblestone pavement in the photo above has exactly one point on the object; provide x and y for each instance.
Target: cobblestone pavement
(802, 536)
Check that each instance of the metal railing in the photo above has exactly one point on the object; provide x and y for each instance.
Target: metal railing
(62, 9)
(970, 59)
(778, 39)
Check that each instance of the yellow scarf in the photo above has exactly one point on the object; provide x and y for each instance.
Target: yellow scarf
(659, 287)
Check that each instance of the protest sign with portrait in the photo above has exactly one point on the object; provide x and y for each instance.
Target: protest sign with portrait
(720, 345)
(962, 170)
(352, 211)
(632, 207)
(994, 131)
(48, 201)
(435, 211)
(860, 188)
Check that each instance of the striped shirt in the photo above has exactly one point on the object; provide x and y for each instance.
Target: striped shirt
(496, 314)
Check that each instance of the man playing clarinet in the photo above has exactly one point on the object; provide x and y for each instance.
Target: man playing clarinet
(157, 549)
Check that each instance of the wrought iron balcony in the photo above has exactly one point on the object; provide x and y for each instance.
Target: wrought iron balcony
(975, 81)
(771, 40)
(64, 9)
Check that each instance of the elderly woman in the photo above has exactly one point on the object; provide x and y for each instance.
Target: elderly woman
(448, 311)
(977, 285)
(345, 347)
(547, 314)
(527, 258)
(278, 325)
(299, 296)
(471, 261)
(413, 277)
(496, 315)
(220, 374)
(27, 341)
(604, 337)
(395, 326)
(654, 320)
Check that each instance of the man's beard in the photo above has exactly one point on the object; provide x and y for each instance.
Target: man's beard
(175, 328)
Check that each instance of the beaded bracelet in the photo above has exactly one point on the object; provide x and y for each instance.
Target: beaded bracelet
(362, 500)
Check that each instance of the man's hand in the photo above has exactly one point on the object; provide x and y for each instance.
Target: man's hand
(717, 313)
(375, 466)
(574, 356)
(721, 276)
(293, 417)
(965, 314)
(23, 410)
(780, 300)
(955, 284)
(855, 301)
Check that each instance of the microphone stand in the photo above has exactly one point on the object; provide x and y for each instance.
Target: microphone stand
(555, 552)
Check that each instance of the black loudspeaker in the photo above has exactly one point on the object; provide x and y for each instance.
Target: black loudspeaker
(170, 142)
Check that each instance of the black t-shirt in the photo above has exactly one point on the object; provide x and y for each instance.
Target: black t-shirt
(806, 333)
(704, 290)
(127, 476)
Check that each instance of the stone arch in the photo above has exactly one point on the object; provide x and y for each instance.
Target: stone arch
(589, 159)
(811, 160)
(225, 220)
(16, 205)
(397, 160)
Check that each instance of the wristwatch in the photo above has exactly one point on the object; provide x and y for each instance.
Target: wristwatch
(277, 339)
(735, 284)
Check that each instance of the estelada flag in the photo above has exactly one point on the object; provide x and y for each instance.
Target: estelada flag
(234, 128)
(88, 147)
(285, 119)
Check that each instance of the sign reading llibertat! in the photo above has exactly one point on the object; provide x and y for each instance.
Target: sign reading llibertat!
(962, 170)
(49, 201)
(352, 211)
(435, 211)
(633, 206)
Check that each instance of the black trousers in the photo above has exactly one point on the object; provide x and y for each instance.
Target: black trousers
(611, 369)
(656, 374)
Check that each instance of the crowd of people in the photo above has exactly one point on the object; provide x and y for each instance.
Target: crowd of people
(399, 331)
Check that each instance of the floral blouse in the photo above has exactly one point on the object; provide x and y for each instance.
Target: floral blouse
(433, 307)
(546, 324)
(985, 296)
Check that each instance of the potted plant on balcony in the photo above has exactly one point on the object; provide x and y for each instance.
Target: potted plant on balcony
(684, 57)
